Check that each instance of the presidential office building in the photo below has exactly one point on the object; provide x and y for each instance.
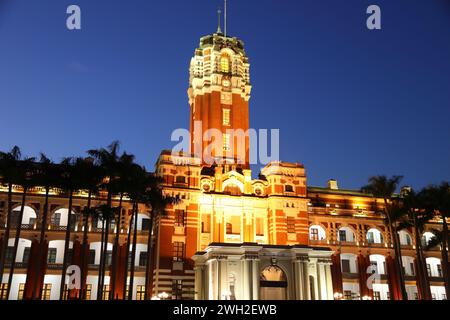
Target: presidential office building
(230, 236)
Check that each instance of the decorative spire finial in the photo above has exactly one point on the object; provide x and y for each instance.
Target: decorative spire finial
(219, 30)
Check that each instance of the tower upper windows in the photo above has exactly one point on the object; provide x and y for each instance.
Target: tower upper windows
(225, 64)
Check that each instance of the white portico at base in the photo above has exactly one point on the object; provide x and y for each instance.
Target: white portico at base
(248, 271)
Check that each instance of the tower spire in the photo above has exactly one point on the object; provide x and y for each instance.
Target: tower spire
(219, 12)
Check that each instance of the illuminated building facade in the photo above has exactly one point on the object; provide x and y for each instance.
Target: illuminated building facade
(231, 236)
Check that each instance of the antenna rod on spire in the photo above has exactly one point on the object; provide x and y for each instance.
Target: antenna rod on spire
(225, 17)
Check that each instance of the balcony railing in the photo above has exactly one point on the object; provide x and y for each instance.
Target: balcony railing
(55, 227)
(18, 265)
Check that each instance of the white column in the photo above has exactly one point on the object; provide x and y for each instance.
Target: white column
(329, 281)
(247, 279)
(322, 281)
(307, 292)
(299, 274)
(199, 287)
(213, 275)
(222, 277)
(256, 279)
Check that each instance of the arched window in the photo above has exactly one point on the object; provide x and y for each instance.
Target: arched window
(346, 235)
(225, 64)
(426, 237)
(374, 236)
(405, 238)
(316, 233)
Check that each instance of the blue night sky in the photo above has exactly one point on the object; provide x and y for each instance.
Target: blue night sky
(349, 102)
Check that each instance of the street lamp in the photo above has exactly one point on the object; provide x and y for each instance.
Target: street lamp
(163, 296)
(338, 296)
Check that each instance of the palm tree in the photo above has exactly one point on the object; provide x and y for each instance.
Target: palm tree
(137, 191)
(107, 159)
(69, 184)
(90, 177)
(9, 173)
(383, 187)
(121, 186)
(46, 176)
(26, 180)
(437, 203)
(105, 213)
(157, 201)
(415, 217)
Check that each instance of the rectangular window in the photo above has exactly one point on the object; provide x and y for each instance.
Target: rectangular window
(106, 291)
(140, 293)
(177, 289)
(411, 266)
(46, 291)
(180, 179)
(145, 224)
(26, 255)
(9, 255)
(290, 221)
(226, 141)
(66, 293)
(226, 117)
(346, 265)
(3, 291)
(206, 223)
(376, 295)
(21, 291)
(259, 226)
(178, 251)
(429, 269)
(439, 270)
(342, 236)
(314, 234)
(408, 240)
(143, 258)
(234, 226)
(288, 188)
(229, 228)
(92, 257)
(127, 290)
(88, 292)
(108, 259)
(180, 218)
(370, 238)
(51, 257)
(56, 219)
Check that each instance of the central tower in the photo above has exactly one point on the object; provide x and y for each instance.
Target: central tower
(219, 94)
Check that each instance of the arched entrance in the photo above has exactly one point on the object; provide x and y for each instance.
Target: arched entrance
(273, 284)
